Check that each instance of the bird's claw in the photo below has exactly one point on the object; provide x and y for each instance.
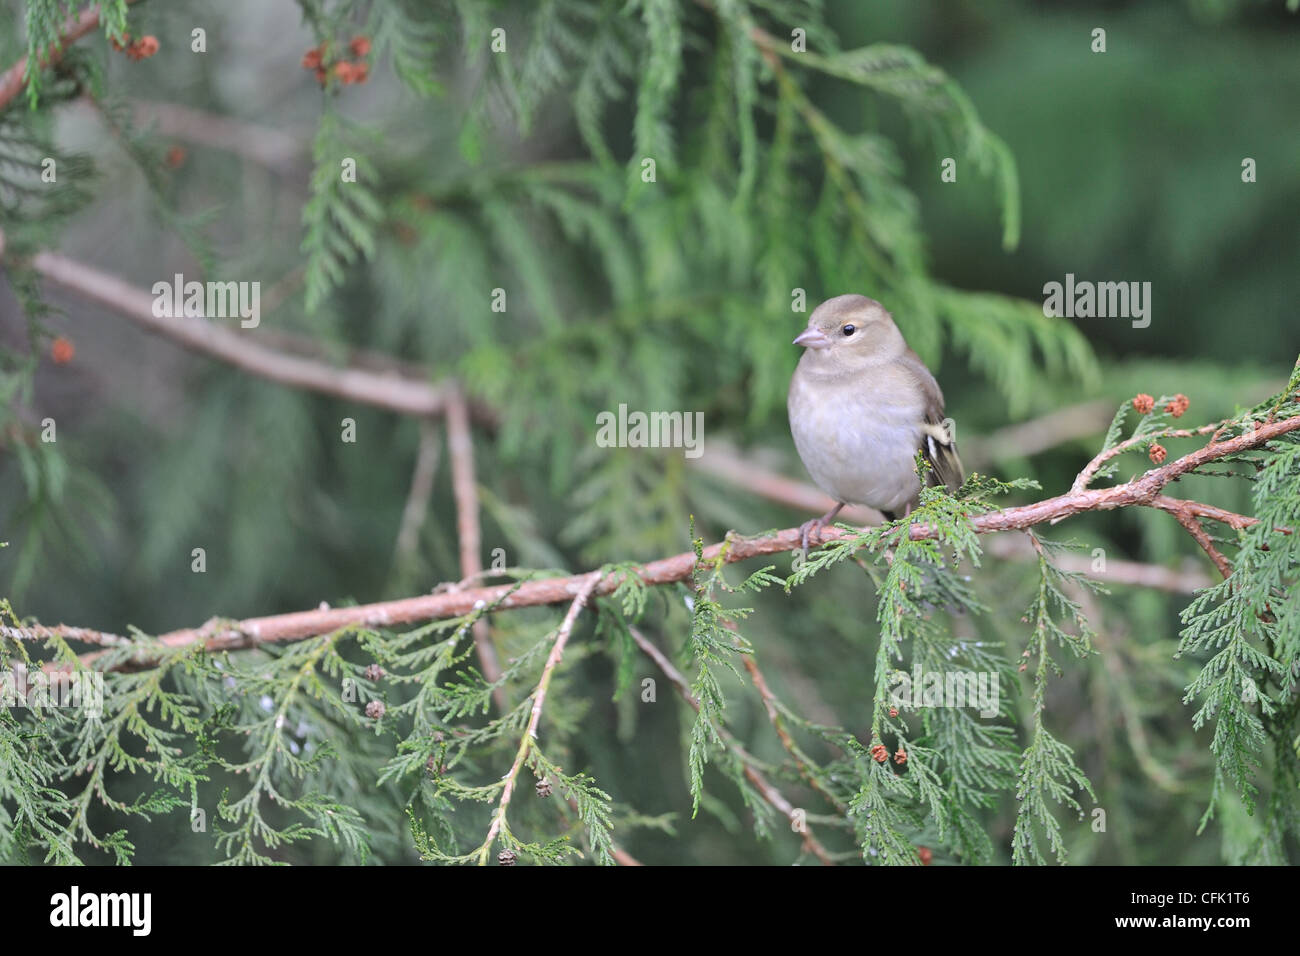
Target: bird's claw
(813, 527)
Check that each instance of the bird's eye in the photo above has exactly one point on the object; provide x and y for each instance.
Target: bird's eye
(850, 329)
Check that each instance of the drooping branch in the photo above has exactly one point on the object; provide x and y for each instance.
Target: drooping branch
(770, 793)
(1144, 491)
(783, 734)
(580, 599)
(1202, 538)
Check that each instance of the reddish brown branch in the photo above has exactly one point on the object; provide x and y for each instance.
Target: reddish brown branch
(742, 472)
(1090, 470)
(1233, 520)
(1189, 521)
(787, 741)
(296, 361)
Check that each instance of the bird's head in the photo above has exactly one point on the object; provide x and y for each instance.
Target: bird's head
(851, 331)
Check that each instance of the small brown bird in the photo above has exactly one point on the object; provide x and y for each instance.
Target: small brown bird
(862, 404)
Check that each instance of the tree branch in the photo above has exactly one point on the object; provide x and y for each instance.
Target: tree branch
(389, 391)
(40, 632)
(1090, 470)
(368, 378)
(729, 465)
(778, 724)
(1189, 521)
(1143, 491)
(272, 148)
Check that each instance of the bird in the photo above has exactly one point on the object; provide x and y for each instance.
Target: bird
(861, 405)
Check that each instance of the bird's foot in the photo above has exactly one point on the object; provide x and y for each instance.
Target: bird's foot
(805, 529)
(814, 527)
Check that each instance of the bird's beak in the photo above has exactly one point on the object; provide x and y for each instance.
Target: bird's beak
(812, 338)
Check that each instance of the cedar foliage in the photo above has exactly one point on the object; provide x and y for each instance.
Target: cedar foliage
(671, 292)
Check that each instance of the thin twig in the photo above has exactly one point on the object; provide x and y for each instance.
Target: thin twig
(1090, 470)
(1232, 519)
(539, 700)
(1193, 526)
(787, 741)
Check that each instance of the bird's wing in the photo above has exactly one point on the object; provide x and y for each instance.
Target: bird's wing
(937, 442)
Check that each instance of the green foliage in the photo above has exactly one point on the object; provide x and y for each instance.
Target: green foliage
(45, 23)
(339, 219)
(1247, 628)
(33, 811)
(1047, 767)
(26, 152)
(714, 639)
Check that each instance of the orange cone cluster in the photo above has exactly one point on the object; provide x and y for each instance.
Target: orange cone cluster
(140, 49)
(62, 351)
(346, 71)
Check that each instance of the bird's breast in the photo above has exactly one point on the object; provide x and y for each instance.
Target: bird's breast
(857, 444)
